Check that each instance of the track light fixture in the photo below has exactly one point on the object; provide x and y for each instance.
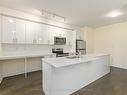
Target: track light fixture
(53, 16)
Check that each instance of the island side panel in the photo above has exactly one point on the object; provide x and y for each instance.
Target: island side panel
(68, 79)
(47, 78)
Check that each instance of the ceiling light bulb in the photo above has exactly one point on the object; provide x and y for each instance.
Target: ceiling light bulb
(114, 14)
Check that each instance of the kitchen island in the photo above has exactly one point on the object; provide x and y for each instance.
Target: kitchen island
(64, 76)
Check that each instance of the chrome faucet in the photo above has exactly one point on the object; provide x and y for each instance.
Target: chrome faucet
(78, 53)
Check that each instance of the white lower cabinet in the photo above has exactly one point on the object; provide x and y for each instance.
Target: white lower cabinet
(13, 30)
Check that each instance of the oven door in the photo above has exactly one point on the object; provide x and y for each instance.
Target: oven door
(59, 40)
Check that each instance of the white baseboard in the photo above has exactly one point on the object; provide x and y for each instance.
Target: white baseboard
(119, 67)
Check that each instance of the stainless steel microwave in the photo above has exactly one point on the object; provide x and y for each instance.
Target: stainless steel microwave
(59, 40)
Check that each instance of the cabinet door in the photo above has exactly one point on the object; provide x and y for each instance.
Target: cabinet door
(31, 33)
(63, 32)
(42, 34)
(56, 32)
(8, 30)
(69, 37)
(36, 33)
(13, 30)
(20, 31)
(80, 35)
(52, 33)
(60, 32)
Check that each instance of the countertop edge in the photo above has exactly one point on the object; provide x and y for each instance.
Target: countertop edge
(93, 57)
(7, 57)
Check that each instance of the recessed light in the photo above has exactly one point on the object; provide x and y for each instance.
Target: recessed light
(114, 14)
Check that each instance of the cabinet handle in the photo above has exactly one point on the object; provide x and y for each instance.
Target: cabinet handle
(60, 35)
(15, 40)
(48, 41)
(34, 41)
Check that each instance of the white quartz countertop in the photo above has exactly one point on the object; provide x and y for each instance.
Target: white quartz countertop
(5, 57)
(63, 61)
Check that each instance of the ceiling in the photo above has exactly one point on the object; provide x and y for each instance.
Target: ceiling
(78, 12)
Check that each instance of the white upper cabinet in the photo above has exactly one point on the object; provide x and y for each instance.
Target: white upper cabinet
(20, 31)
(28, 32)
(69, 38)
(52, 33)
(8, 29)
(80, 35)
(56, 32)
(13, 30)
(42, 34)
(31, 33)
(36, 33)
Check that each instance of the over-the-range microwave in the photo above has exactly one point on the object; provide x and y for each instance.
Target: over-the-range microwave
(59, 40)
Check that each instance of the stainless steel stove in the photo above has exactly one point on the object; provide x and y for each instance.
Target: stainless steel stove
(59, 52)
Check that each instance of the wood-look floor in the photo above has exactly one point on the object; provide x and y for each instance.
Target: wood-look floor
(18, 85)
(114, 83)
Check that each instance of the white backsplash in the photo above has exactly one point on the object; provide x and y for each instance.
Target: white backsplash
(22, 49)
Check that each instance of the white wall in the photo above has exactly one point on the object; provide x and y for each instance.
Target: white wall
(22, 49)
(0, 51)
(0, 36)
(89, 38)
(113, 39)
